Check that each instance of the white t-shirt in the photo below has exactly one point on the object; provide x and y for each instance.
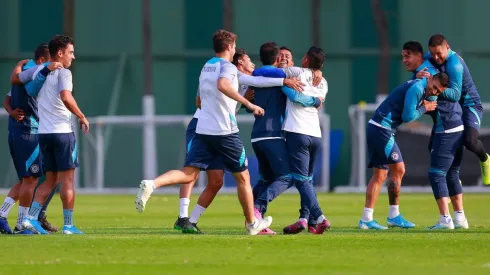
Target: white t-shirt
(305, 120)
(54, 117)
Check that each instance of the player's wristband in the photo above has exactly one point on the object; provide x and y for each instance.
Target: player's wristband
(318, 102)
(422, 109)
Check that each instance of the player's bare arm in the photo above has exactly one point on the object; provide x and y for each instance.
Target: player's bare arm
(17, 114)
(294, 83)
(72, 106)
(17, 69)
(317, 77)
(227, 89)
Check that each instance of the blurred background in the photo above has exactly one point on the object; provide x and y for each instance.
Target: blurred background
(362, 39)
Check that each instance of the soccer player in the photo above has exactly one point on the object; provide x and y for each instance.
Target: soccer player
(445, 59)
(24, 146)
(286, 57)
(404, 104)
(216, 132)
(215, 170)
(56, 138)
(303, 140)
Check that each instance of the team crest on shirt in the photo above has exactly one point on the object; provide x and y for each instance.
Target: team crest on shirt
(34, 168)
(394, 156)
(246, 162)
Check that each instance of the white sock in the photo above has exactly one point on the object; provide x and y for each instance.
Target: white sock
(196, 213)
(254, 224)
(184, 207)
(394, 211)
(23, 211)
(321, 219)
(445, 219)
(459, 216)
(303, 220)
(7, 205)
(367, 215)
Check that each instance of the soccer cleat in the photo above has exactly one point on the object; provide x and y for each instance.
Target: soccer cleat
(312, 228)
(399, 221)
(322, 227)
(371, 225)
(295, 228)
(191, 228)
(144, 193)
(20, 231)
(47, 225)
(4, 226)
(34, 226)
(442, 226)
(71, 230)
(461, 224)
(258, 225)
(180, 222)
(267, 231)
(485, 171)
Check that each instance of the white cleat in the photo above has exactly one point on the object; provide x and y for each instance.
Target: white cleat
(259, 225)
(461, 224)
(442, 226)
(144, 193)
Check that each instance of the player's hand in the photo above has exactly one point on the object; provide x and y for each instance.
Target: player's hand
(430, 105)
(423, 73)
(84, 122)
(22, 62)
(17, 114)
(249, 94)
(54, 66)
(294, 83)
(317, 77)
(255, 109)
(322, 99)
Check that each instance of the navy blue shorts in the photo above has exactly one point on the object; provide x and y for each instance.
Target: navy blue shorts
(190, 133)
(303, 153)
(273, 158)
(382, 147)
(472, 117)
(25, 152)
(445, 152)
(205, 149)
(59, 152)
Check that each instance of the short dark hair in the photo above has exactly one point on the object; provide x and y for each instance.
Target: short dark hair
(239, 53)
(316, 57)
(413, 47)
(42, 51)
(286, 49)
(59, 42)
(437, 40)
(268, 53)
(443, 78)
(222, 39)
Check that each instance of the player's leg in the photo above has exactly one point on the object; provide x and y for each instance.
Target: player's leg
(215, 182)
(265, 172)
(472, 122)
(382, 150)
(31, 222)
(443, 150)
(7, 205)
(230, 148)
(198, 157)
(456, 191)
(186, 189)
(395, 219)
(43, 219)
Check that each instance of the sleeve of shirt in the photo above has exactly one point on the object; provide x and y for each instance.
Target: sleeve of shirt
(292, 71)
(411, 110)
(299, 98)
(259, 81)
(455, 71)
(27, 75)
(65, 82)
(33, 87)
(228, 71)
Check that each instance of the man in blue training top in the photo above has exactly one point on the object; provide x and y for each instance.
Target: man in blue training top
(267, 135)
(404, 104)
(24, 146)
(446, 60)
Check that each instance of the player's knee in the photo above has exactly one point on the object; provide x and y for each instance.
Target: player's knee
(30, 180)
(214, 185)
(438, 183)
(379, 176)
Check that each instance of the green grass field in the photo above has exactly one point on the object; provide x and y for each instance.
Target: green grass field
(119, 240)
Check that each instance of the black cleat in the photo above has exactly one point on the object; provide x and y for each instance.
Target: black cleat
(191, 228)
(179, 224)
(47, 225)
